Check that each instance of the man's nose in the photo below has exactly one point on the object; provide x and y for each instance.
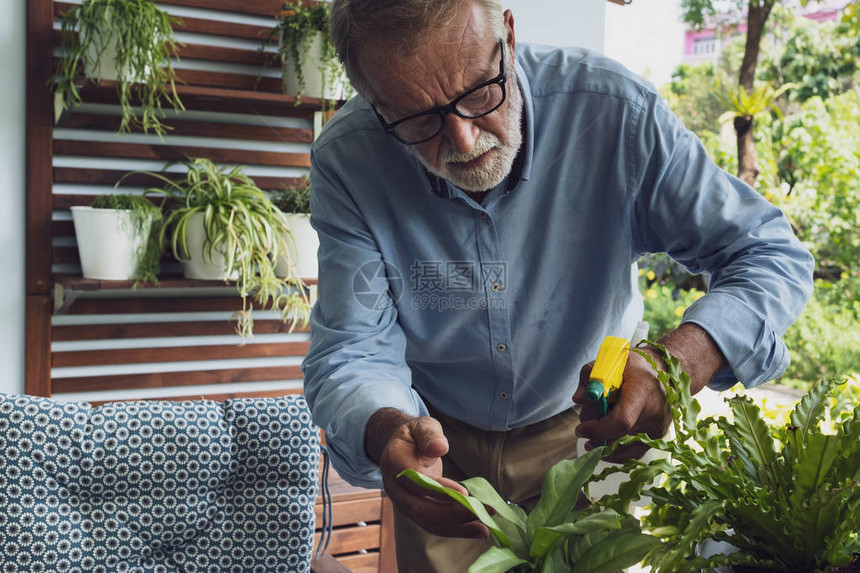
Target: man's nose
(461, 133)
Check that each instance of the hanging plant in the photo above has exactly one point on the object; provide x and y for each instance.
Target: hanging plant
(136, 38)
(297, 28)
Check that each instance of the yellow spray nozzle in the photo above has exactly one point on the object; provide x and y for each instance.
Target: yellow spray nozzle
(606, 376)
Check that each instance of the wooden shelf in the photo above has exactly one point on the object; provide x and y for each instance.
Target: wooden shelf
(67, 288)
(79, 283)
(226, 100)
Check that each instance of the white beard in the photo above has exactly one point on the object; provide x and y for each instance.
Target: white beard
(501, 156)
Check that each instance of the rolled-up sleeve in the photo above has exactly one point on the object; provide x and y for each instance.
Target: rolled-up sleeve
(760, 275)
(356, 362)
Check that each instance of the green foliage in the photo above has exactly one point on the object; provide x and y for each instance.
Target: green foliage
(294, 199)
(814, 181)
(140, 38)
(742, 104)
(824, 338)
(851, 17)
(699, 13)
(787, 498)
(665, 302)
(296, 28)
(820, 58)
(146, 220)
(554, 537)
(692, 95)
(243, 225)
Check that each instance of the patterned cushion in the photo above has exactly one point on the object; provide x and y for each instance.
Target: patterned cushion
(157, 486)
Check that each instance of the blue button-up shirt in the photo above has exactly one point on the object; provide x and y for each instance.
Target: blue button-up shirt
(488, 311)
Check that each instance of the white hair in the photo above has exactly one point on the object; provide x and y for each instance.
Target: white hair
(399, 25)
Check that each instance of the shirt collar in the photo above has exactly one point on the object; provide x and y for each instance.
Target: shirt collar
(522, 168)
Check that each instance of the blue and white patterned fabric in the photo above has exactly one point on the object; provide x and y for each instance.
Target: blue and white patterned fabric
(161, 487)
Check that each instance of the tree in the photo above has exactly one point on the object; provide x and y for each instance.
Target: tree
(697, 12)
(821, 58)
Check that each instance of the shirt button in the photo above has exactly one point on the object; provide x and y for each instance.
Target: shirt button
(496, 287)
(501, 346)
(483, 215)
(503, 395)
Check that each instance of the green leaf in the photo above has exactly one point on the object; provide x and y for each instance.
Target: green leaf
(848, 466)
(807, 414)
(754, 438)
(760, 522)
(546, 538)
(615, 552)
(496, 560)
(561, 488)
(469, 502)
(818, 527)
(813, 465)
(480, 488)
(509, 517)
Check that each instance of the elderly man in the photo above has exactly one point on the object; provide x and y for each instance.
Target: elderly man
(481, 207)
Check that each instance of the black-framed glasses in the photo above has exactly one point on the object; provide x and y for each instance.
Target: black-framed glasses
(479, 101)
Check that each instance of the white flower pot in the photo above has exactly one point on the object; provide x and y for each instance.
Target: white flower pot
(103, 66)
(200, 265)
(313, 74)
(302, 248)
(107, 244)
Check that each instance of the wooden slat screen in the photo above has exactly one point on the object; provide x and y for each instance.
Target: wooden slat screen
(113, 340)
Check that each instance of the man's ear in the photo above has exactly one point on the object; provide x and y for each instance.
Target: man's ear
(509, 25)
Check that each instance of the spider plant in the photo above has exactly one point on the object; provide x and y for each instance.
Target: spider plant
(241, 225)
(138, 36)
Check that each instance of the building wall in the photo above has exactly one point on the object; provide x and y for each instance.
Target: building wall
(647, 36)
(559, 22)
(12, 191)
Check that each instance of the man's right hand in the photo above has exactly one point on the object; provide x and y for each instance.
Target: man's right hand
(419, 444)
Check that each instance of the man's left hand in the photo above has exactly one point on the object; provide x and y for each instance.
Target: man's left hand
(641, 405)
(641, 408)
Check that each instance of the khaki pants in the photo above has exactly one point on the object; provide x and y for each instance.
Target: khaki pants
(514, 462)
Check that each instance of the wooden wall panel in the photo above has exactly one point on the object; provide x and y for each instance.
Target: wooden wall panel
(178, 153)
(237, 115)
(173, 379)
(157, 330)
(111, 177)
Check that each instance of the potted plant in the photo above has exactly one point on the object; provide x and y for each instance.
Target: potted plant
(555, 536)
(222, 226)
(780, 498)
(118, 238)
(303, 242)
(777, 498)
(127, 41)
(309, 62)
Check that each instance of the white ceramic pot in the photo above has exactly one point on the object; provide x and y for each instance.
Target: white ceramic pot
(199, 265)
(313, 75)
(302, 248)
(107, 244)
(102, 66)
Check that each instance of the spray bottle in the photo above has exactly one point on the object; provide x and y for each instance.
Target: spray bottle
(608, 370)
